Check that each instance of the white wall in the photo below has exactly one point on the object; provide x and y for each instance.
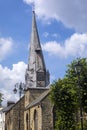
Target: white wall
(2, 119)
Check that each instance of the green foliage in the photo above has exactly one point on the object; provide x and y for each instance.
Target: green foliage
(70, 74)
(65, 97)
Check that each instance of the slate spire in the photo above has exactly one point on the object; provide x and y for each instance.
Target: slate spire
(36, 74)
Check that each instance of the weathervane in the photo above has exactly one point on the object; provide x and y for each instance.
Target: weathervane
(33, 7)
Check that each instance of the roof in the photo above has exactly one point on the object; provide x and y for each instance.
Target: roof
(38, 88)
(6, 109)
(39, 99)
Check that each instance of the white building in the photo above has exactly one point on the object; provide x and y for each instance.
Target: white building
(2, 119)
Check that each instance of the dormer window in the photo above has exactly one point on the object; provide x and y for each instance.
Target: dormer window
(38, 49)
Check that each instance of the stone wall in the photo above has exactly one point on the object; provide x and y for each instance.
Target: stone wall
(12, 116)
(44, 115)
(31, 121)
(31, 94)
(47, 114)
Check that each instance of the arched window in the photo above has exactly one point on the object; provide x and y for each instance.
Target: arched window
(35, 120)
(27, 121)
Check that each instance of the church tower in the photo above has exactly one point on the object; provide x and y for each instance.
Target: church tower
(36, 74)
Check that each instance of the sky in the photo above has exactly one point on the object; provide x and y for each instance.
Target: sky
(63, 35)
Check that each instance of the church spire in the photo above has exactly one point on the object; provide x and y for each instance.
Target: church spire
(36, 74)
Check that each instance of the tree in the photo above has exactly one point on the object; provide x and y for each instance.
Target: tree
(71, 75)
(65, 97)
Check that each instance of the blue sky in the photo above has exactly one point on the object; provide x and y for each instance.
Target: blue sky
(63, 35)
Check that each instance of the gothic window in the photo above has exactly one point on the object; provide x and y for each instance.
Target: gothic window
(27, 121)
(35, 120)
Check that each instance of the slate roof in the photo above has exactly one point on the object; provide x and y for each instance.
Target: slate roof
(38, 100)
(6, 109)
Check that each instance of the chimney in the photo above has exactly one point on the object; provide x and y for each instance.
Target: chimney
(10, 103)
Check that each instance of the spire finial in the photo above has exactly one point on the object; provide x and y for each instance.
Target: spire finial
(33, 7)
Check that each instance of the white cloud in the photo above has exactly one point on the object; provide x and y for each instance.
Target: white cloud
(55, 35)
(75, 46)
(9, 77)
(71, 13)
(28, 1)
(45, 34)
(5, 47)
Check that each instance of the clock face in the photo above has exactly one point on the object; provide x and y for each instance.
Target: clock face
(40, 83)
(40, 76)
(40, 79)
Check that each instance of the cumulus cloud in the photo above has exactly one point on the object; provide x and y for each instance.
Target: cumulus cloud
(71, 13)
(5, 47)
(9, 77)
(75, 46)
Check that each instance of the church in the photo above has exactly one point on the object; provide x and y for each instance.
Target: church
(38, 108)
(34, 108)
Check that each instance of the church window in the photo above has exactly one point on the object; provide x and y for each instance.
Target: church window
(35, 120)
(27, 121)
